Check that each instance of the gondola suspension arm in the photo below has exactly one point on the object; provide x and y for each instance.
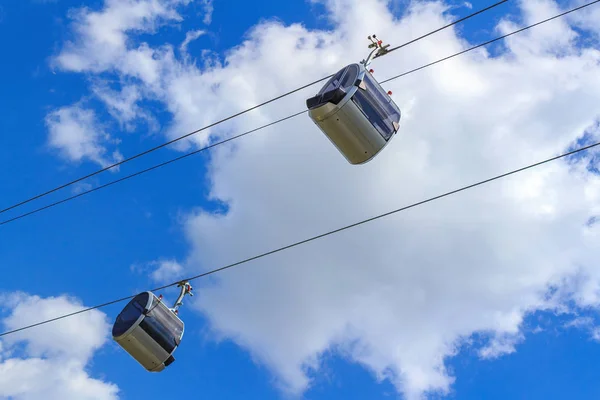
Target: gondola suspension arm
(186, 288)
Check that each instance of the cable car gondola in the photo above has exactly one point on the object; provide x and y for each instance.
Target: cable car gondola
(354, 112)
(149, 330)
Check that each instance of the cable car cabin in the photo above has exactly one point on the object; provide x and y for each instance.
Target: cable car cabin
(355, 113)
(149, 331)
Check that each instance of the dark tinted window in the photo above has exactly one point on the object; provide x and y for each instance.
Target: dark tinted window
(350, 76)
(159, 334)
(392, 111)
(336, 88)
(169, 320)
(343, 78)
(375, 116)
(377, 107)
(162, 325)
(130, 314)
(333, 82)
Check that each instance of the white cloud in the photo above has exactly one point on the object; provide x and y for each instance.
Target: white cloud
(160, 271)
(208, 11)
(587, 324)
(80, 187)
(500, 345)
(105, 42)
(166, 271)
(101, 36)
(190, 37)
(49, 362)
(596, 334)
(587, 19)
(37, 379)
(123, 106)
(76, 337)
(580, 322)
(399, 296)
(555, 38)
(75, 132)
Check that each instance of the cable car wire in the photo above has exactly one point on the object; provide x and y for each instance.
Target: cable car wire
(440, 29)
(67, 199)
(145, 152)
(35, 211)
(494, 40)
(314, 238)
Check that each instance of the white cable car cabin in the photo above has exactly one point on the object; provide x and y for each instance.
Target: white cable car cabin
(150, 331)
(354, 112)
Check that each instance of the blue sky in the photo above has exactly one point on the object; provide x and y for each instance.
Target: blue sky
(108, 244)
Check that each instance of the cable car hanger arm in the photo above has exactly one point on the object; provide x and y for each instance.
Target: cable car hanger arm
(186, 288)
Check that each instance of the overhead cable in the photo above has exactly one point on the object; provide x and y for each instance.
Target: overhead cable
(126, 160)
(493, 40)
(317, 237)
(458, 21)
(67, 199)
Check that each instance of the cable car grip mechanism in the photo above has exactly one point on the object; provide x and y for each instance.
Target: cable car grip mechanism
(379, 49)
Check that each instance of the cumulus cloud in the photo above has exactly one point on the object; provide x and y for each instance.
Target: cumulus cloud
(51, 365)
(166, 271)
(101, 39)
(500, 345)
(101, 43)
(398, 296)
(160, 271)
(123, 106)
(104, 42)
(75, 132)
(588, 19)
